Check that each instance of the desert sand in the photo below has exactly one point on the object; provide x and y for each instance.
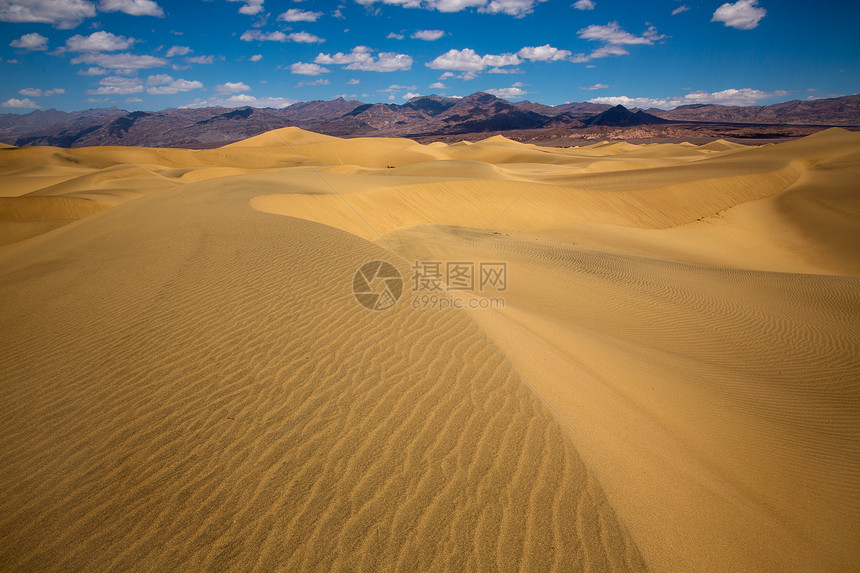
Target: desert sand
(187, 381)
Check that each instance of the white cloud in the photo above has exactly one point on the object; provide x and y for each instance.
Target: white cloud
(743, 96)
(63, 14)
(32, 41)
(305, 38)
(133, 100)
(298, 15)
(467, 60)
(743, 14)
(318, 82)
(602, 52)
(394, 36)
(162, 84)
(680, 9)
(438, 86)
(126, 62)
(200, 60)
(15, 103)
(132, 7)
(232, 88)
(256, 57)
(353, 82)
(584, 5)
(178, 51)
(93, 72)
(613, 37)
(397, 87)
(595, 87)
(36, 92)
(242, 100)
(99, 42)
(258, 36)
(513, 91)
(250, 7)
(545, 53)
(428, 35)
(361, 58)
(505, 71)
(516, 8)
(612, 33)
(409, 95)
(117, 85)
(306, 69)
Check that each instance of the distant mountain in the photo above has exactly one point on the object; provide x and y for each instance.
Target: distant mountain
(422, 116)
(620, 116)
(833, 111)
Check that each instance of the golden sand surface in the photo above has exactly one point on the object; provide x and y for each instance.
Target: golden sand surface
(672, 383)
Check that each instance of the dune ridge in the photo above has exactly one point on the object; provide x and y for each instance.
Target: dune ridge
(672, 383)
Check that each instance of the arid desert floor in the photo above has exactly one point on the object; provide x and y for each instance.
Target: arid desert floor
(667, 378)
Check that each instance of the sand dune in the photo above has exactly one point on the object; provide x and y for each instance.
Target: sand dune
(672, 384)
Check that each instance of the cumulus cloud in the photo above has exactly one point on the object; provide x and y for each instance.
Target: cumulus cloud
(517, 8)
(308, 69)
(200, 60)
(33, 41)
(117, 85)
(614, 38)
(178, 51)
(397, 87)
(317, 82)
(584, 5)
(99, 42)
(242, 100)
(438, 86)
(513, 91)
(126, 62)
(298, 15)
(63, 14)
(743, 96)
(612, 33)
(132, 7)
(15, 103)
(93, 72)
(353, 82)
(467, 60)
(680, 9)
(602, 52)
(256, 57)
(232, 88)
(36, 92)
(545, 53)
(595, 87)
(305, 38)
(258, 36)
(394, 36)
(250, 7)
(743, 14)
(362, 59)
(162, 84)
(428, 35)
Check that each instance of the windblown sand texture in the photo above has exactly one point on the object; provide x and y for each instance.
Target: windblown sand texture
(187, 382)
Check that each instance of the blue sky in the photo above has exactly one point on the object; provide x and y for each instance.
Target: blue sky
(154, 54)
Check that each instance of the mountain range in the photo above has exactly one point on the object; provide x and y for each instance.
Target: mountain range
(421, 116)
